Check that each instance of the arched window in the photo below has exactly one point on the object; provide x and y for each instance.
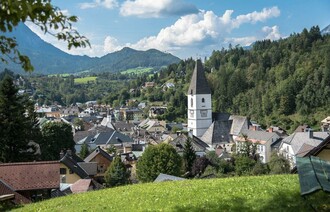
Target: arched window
(203, 100)
(191, 102)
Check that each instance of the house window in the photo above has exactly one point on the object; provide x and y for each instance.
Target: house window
(191, 102)
(62, 170)
(70, 171)
(203, 100)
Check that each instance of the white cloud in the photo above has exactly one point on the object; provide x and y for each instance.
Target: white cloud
(109, 4)
(111, 44)
(156, 8)
(273, 33)
(242, 41)
(204, 28)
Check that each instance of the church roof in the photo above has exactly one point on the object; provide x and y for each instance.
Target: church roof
(199, 84)
(217, 133)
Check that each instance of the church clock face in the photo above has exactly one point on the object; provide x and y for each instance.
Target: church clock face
(203, 113)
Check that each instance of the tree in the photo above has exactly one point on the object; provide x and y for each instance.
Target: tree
(84, 151)
(162, 158)
(56, 136)
(278, 164)
(199, 166)
(18, 124)
(189, 155)
(117, 173)
(49, 18)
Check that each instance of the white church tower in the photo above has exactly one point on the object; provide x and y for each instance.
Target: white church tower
(199, 102)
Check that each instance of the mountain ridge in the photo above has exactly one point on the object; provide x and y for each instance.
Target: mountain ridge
(48, 59)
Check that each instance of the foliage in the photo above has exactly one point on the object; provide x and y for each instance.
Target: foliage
(111, 149)
(278, 164)
(84, 151)
(199, 166)
(260, 168)
(78, 124)
(189, 155)
(257, 193)
(18, 124)
(161, 158)
(244, 165)
(276, 82)
(47, 17)
(56, 136)
(117, 173)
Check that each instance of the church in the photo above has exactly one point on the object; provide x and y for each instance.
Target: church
(215, 129)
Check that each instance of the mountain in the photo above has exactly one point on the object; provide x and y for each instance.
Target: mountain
(326, 30)
(47, 59)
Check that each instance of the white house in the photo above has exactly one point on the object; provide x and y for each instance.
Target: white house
(264, 141)
(300, 143)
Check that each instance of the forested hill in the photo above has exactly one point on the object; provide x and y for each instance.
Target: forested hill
(283, 83)
(47, 59)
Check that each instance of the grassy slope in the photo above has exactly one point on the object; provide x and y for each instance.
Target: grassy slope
(139, 70)
(264, 193)
(84, 80)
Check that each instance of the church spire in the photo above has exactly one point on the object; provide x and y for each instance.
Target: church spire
(199, 84)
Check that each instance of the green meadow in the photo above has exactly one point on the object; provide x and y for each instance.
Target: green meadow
(255, 193)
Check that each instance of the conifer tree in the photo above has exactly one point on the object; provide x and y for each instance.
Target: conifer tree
(117, 173)
(18, 124)
(189, 155)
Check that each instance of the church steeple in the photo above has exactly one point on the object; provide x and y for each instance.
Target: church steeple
(198, 83)
(199, 102)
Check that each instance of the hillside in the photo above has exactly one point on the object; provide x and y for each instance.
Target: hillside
(262, 193)
(47, 59)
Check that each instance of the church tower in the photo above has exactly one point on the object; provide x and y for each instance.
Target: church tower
(199, 102)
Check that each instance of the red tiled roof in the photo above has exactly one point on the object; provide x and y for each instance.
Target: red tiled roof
(81, 185)
(31, 175)
(18, 198)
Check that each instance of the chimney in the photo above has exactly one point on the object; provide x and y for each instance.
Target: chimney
(254, 128)
(61, 154)
(69, 152)
(270, 129)
(310, 133)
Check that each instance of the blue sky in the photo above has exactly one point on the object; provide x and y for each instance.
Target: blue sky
(186, 28)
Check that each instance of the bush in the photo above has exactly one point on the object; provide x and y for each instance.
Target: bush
(162, 158)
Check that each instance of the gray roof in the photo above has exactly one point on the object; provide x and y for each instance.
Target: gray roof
(261, 135)
(297, 139)
(199, 84)
(97, 151)
(90, 168)
(218, 132)
(165, 177)
(238, 124)
(114, 137)
(179, 142)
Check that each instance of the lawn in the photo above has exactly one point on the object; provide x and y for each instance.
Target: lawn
(139, 70)
(84, 80)
(262, 193)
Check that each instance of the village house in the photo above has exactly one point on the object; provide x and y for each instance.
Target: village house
(300, 144)
(263, 140)
(325, 124)
(32, 180)
(72, 168)
(106, 140)
(103, 160)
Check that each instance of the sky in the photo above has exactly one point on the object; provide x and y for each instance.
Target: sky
(186, 28)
